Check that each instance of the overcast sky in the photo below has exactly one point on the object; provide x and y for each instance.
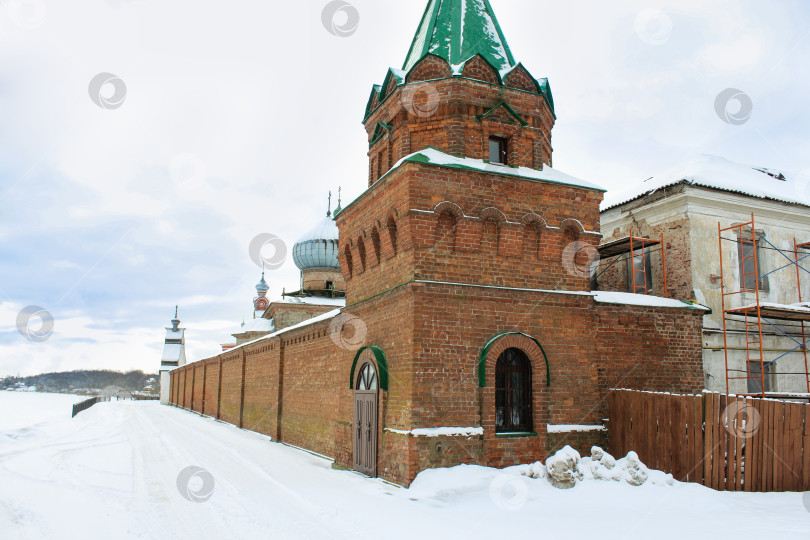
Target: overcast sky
(233, 119)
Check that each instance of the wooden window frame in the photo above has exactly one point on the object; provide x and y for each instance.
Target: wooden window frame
(505, 393)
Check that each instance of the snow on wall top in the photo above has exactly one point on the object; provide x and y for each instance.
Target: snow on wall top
(720, 173)
(457, 30)
(547, 174)
(312, 300)
(614, 297)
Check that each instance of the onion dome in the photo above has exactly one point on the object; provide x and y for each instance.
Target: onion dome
(262, 287)
(319, 247)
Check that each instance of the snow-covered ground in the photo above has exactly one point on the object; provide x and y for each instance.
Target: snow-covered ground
(112, 472)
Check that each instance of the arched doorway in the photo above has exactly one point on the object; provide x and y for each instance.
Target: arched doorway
(366, 391)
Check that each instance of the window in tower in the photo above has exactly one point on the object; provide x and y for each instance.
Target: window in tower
(497, 150)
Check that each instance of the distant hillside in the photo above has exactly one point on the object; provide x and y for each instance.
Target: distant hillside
(85, 382)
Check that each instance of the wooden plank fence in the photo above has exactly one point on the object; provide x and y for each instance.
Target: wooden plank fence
(728, 443)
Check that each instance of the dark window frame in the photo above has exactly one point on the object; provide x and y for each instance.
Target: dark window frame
(754, 382)
(631, 261)
(502, 152)
(743, 242)
(513, 392)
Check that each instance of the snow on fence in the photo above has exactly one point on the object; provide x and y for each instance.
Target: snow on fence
(730, 443)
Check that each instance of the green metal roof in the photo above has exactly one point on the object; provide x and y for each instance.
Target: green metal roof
(457, 30)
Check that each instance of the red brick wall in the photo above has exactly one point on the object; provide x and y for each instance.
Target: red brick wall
(231, 392)
(446, 112)
(261, 389)
(443, 232)
(433, 364)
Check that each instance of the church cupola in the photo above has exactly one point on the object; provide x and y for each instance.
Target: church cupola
(462, 92)
(261, 302)
(316, 255)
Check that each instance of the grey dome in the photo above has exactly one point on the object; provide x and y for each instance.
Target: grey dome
(319, 247)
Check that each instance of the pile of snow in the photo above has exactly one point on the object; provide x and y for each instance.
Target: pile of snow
(566, 467)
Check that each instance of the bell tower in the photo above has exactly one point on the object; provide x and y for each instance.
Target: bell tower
(460, 91)
(460, 184)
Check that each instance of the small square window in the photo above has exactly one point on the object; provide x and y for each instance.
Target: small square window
(497, 150)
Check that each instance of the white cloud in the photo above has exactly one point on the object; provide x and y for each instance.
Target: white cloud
(267, 104)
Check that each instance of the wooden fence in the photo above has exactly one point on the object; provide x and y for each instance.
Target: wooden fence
(723, 442)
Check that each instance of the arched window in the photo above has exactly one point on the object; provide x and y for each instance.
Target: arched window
(392, 232)
(348, 258)
(513, 392)
(361, 249)
(367, 379)
(375, 243)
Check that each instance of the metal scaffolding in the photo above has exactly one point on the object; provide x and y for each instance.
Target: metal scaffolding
(777, 316)
(637, 249)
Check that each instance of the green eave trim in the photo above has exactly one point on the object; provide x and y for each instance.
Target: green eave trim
(382, 366)
(506, 106)
(482, 358)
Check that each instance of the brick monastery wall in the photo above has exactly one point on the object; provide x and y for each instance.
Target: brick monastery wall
(297, 385)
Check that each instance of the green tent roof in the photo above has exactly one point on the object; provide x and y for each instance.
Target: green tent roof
(457, 30)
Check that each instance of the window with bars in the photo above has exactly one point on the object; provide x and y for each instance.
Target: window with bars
(513, 392)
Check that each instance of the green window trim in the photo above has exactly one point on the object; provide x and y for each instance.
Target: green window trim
(508, 108)
(382, 366)
(482, 358)
(510, 434)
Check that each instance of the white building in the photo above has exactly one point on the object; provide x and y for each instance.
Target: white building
(686, 204)
(174, 356)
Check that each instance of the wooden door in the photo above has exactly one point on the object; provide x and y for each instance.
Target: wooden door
(365, 420)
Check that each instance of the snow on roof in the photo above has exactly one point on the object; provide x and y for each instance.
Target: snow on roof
(172, 335)
(458, 30)
(312, 300)
(326, 229)
(171, 352)
(256, 325)
(720, 173)
(322, 317)
(433, 156)
(613, 297)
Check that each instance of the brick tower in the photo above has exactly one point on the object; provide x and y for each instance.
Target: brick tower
(462, 238)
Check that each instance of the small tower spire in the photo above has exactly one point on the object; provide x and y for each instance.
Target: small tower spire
(329, 207)
(175, 321)
(338, 208)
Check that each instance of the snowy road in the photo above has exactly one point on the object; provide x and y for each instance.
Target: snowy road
(112, 472)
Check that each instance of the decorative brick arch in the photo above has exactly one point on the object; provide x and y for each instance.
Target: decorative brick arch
(428, 68)
(520, 78)
(495, 346)
(493, 214)
(531, 218)
(375, 355)
(450, 207)
(479, 69)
